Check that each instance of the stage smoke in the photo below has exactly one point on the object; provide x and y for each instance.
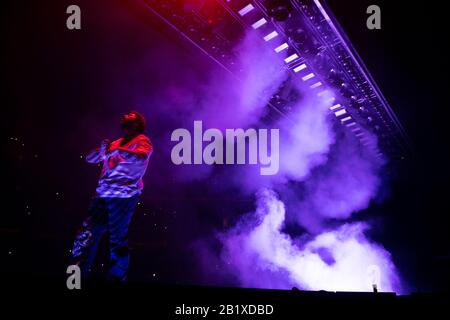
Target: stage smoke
(262, 256)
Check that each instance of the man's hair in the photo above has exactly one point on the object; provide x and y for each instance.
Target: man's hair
(140, 120)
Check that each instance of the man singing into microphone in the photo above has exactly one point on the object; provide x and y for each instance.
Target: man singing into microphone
(119, 187)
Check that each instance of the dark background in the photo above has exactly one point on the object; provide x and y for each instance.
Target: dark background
(61, 88)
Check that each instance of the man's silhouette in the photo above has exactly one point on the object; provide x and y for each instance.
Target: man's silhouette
(119, 187)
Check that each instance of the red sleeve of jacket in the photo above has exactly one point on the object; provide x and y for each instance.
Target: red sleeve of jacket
(144, 147)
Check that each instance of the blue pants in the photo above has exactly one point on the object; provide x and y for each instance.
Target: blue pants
(112, 215)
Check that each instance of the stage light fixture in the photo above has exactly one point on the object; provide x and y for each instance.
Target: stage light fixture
(246, 9)
(315, 85)
(281, 47)
(291, 58)
(270, 36)
(303, 28)
(308, 76)
(340, 112)
(346, 119)
(336, 106)
(259, 23)
(300, 67)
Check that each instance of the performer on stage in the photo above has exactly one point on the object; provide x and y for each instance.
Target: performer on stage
(124, 163)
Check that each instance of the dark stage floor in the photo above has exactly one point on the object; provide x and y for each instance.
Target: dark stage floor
(163, 301)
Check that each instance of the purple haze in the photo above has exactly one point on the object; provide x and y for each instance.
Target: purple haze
(325, 178)
(338, 179)
(262, 256)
